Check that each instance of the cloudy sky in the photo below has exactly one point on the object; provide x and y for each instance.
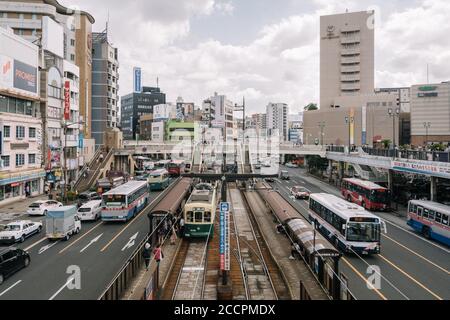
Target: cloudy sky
(267, 50)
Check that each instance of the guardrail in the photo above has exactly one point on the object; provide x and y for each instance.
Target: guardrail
(132, 266)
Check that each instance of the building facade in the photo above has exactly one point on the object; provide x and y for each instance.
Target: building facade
(346, 55)
(277, 120)
(105, 87)
(218, 112)
(430, 114)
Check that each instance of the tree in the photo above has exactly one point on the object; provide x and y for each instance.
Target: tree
(386, 143)
(311, 107)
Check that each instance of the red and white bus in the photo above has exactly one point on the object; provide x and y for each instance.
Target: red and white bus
(366, 194)
(176, 167)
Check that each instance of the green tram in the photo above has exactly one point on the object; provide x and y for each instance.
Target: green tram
(158, 180)
(200, 211)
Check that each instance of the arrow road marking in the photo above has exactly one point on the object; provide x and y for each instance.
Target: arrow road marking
(130, 242)
(90, 243)
(43, 249)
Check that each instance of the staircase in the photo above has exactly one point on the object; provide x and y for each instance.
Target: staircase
(94, 170)
(368, 173)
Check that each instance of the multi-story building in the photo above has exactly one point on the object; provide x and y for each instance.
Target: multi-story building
(295, 124)
(158, 131)
(145, 126)
(164, 112)
(137, 104)
(105, 87)
(21, 166)
(218, 113)
(346, 55)
(260, 120)
(277, 120)
(430, 113)
(179, 131)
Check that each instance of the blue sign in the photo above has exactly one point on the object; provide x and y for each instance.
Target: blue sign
(222, 232)
(225, 206)
(80, 141)
(137, 79)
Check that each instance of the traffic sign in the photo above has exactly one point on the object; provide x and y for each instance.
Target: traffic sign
(224, 206)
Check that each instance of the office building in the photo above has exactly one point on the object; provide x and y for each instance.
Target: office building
(105, 87)
(430, 113)
(346, 56)
(137, 104)
(218, 113)
(277, 120)
(145, 126)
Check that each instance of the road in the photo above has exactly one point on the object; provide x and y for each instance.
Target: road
(410, 266)
(99, 251)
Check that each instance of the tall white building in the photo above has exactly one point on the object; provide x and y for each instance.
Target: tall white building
(218, 113)
(346, 55)
(277, 120)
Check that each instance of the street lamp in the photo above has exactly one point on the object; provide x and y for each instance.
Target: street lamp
(393, 113)
(426, 125)
(349, 121)
(321, 126)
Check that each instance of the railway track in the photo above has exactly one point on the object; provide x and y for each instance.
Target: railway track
(212, 267)
(261, 276)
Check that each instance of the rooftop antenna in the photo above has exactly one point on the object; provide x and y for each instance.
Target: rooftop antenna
(157, 82)
(107, 22)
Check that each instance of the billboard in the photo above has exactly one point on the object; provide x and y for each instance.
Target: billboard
(52, 37)
(137, 79)
(67, 100)
(25, 77)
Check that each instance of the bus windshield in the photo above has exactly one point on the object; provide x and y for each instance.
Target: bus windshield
(114, 200)
(363, 232)
(380, 196)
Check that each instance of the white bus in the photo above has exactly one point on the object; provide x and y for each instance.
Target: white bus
(125, 202)
(431, 219)
(349, 226)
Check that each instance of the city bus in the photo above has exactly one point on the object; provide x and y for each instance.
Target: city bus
(158, 180)
(125, 202)
(431, 219)
(162, 164)
(367, 194)
(176, 167)
(348, 226)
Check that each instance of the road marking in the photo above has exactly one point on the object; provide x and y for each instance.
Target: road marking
(411, 278)
(15, 284)
(62, 288)
(131, 242)
(35, 244)
(91, 242)
(45, 248)
(80, 238)
(415, 253)
(364, 279)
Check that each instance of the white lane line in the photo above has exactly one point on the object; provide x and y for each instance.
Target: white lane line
(62, 288)
(43, 249)
(15, 284)
(35, 244)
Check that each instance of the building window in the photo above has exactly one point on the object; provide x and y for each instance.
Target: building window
(72, 42)
(32, 133)
(20, 132)
(7, 131)
(6, 162)
(54, 92)
(31, 159)
(72, 57)
(20, 160)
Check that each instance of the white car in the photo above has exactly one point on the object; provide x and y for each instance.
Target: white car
(90, 211)
(18, 231)
(40, 208)
(291, 165)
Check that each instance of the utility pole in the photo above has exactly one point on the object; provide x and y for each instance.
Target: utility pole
(393, 113)
(349, 121)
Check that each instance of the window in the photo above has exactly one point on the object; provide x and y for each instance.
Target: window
(32, 133)
(31, 159)
(20, 132)
(54, 92)
(5, 160)
(445, 219)
(431, 215)
(72, 57)
(425, 213)
(419, 211)
(72, 42)
(7, 132)
(20, 160)
(438, 217)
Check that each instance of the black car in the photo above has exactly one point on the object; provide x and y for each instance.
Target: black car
(11, 261)
(269, 179)
(85, 197)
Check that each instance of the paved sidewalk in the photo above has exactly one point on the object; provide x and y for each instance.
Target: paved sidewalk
(18, 209)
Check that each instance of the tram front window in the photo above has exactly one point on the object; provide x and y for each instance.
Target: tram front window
(198, 216)
(207, 217)
(189, 216)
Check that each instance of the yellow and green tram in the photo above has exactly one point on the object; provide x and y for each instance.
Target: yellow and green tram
(200, 210)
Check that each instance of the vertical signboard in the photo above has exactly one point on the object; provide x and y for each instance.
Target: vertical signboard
(352, 126)
(224, 236)
(67, 100)
(364, 125)
(137, 79)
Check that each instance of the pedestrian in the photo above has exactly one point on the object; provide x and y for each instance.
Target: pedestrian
(181, 227)
(173, 236)
(158, 254)
(146, 254)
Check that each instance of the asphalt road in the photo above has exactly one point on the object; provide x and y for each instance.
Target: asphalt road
(99, 251)
(410, 266)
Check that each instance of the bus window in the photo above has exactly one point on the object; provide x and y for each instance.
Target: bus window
(431, 215)
(189, 216)
(198, 216)
(207, 217)
(438, 217)
(425, 213)
(414, 208)
(445, 219)
(419, 211)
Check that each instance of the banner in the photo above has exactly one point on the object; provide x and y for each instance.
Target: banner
(137, 79)
(25, 77)
(67, 100)
(426, 168)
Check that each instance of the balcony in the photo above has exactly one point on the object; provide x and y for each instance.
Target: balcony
(350, 86)
(351, 60)
(350, 40)
(347, 69)
(350, 52)
(350, 78)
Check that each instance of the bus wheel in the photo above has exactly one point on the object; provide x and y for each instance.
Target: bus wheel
(426, 232)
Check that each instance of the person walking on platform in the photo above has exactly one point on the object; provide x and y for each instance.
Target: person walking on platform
(159, 255)
(146, 254)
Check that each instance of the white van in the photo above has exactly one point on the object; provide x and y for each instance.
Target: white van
(90, 211)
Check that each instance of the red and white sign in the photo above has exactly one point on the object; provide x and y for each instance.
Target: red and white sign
(67, 100)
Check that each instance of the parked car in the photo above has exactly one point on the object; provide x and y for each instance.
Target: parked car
(62, 223)
(11, 261)
(300, 192)
(90, 211)
(18, 231)
(269, 179)
(87, 196)
(41, 207)
(291, 165)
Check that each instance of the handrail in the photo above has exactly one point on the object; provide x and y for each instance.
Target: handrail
(86, 166)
